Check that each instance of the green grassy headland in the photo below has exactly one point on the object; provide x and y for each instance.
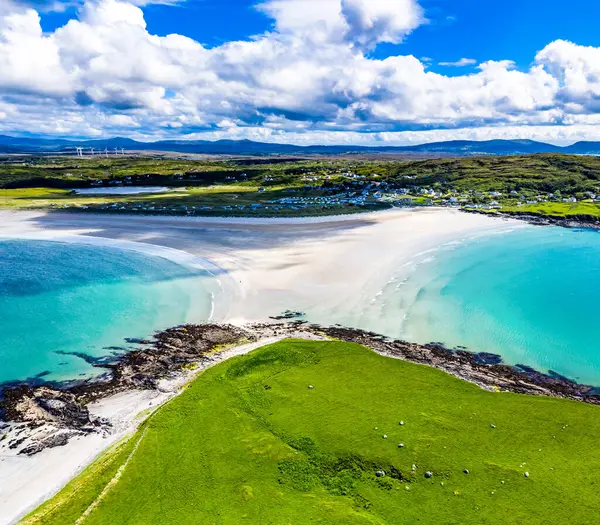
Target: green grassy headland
(250, 442)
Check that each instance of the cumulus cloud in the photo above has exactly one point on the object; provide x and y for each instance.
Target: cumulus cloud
(374, 21)
(310, 78)
(361, 23)
(577, 71)
(460, 63)
(60, 6)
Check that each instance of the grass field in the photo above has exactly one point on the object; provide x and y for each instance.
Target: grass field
(250, 442)
(558, 209)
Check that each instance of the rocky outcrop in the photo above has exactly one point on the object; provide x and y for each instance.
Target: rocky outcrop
(572, 221)
(44, 405)
(59, 412)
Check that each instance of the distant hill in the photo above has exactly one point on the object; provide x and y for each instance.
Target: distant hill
(584, 148)
(10, 144)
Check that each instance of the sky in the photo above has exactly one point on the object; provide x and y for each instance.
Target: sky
(376, 72)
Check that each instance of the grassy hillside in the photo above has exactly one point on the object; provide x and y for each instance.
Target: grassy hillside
(569, 174)
(250, 442)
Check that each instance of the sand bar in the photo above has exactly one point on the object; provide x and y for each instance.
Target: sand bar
(265, 267)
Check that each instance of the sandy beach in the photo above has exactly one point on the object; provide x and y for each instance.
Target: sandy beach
(265, 267)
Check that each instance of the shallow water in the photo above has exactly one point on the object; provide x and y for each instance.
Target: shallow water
(123, 190)
(57, 299)
(530, 295)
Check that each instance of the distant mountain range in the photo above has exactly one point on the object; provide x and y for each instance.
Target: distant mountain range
(247, 147)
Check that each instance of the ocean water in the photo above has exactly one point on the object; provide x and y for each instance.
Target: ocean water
(530, 295)
(59, 300)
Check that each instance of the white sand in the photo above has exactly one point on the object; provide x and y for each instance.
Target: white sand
(265, 267)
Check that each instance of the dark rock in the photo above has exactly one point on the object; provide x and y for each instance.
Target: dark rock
(485, 358)
(56, 440)
(64, 405)
(288, 315)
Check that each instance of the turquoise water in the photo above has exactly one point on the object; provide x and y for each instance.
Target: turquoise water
(57, 299)
(530, 295)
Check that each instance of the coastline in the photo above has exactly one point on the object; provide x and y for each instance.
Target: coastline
(271, 265)
(572, 221)
(94, 416)
(266, 266)
(113, 414)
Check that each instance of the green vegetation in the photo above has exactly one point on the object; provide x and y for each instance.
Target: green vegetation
(541, 184)
(250, 442)
(531, 174)
(559, 209)
(217, 200)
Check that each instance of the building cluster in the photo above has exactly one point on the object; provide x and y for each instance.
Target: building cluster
(335, 190)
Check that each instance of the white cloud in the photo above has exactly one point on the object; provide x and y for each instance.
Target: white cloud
(460, 63)
(373, 21)
(29, 60)
(361, 23)
(319, 20)
(310, 79)
(577, 70)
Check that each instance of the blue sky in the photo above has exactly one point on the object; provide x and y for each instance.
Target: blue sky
(479, 29)
(302, 70)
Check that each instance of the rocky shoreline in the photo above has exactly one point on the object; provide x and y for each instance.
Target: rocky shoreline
(49, 415)
(573, 221)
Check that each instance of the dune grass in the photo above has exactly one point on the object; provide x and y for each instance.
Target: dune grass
(250, 442)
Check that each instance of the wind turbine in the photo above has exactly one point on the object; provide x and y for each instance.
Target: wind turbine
(116, 151)
(106, 151)
(122, 151)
